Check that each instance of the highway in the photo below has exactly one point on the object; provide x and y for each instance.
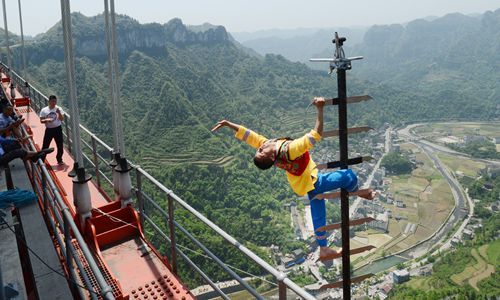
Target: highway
(459, 212)
(407, 134)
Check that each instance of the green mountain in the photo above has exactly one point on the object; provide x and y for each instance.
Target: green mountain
(454, 60)
(177, 83)
(13, 38)
(449, 60)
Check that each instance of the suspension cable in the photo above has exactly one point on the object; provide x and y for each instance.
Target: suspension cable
(114, 48)
(70, 75)
(111, 74)
(23, 52)
(9, 60)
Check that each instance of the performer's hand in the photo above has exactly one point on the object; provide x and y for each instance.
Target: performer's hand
(219, 125)
(319, 102)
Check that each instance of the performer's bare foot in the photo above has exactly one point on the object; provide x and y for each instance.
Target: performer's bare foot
(325, 252)
(366, 193)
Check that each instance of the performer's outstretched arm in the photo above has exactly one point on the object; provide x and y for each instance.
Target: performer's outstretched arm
(242, 133)
(226, 123)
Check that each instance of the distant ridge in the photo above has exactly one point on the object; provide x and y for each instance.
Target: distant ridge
(88, 36)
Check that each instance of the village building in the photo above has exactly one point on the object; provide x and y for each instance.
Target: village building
(467, 234)
(474, 138)
(400, 276)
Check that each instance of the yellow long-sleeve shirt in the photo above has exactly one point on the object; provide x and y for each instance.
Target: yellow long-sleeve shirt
(300, 184)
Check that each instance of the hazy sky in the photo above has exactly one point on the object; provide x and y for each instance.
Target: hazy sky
(248, 15)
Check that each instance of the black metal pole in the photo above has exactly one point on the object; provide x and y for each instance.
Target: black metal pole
(171, 226)
(8, 177)
(344, 195)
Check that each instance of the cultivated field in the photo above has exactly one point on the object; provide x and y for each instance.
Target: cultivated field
(482, 266)
(493, 253)
(458, 130)
(420, 283)
(475, 272)
(428, 201)
(466, 166)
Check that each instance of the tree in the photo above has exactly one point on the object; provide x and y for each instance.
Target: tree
(400, 266)
(396, 163)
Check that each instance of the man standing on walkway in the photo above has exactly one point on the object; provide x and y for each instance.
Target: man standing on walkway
(52, 116)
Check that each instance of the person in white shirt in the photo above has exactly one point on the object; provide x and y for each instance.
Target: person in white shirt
(52, 116)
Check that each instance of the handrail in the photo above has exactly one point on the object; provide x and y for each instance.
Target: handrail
(105, 288)
(278, 275)
(283, 281)
(68, 225)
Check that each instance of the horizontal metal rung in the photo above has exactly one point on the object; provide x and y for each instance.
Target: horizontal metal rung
(363, 193)
(352, 252)
(338, 284)
(335, 59)
(349, 100)
(335, 132)
(351, 223)
(339, 164)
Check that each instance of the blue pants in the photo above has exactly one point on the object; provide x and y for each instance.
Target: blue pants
(326, 182)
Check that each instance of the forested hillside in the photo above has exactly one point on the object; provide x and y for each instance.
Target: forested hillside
(454, 60)
(177, 83)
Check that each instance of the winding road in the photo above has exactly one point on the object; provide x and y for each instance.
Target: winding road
(461, 210)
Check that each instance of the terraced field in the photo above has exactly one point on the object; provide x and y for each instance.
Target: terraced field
(493, 253)
(476, 272)
(420, 283)
(192, 158)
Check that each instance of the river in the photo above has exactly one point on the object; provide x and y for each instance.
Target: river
(380, 265)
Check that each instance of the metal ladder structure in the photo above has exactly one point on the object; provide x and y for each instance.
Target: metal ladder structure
(342, 64)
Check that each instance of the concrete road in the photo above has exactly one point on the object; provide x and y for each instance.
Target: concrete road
(460, 213)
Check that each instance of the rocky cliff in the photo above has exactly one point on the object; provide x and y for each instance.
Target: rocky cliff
(89, 37)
